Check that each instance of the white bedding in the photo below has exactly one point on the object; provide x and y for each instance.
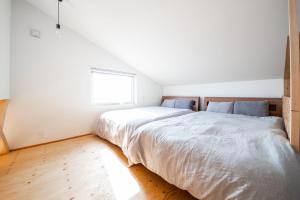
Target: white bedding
(115, 126)
(220, 156)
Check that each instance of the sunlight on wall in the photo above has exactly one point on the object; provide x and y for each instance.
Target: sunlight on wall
(122, 182)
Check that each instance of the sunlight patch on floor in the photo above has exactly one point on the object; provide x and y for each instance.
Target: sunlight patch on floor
(122, 182)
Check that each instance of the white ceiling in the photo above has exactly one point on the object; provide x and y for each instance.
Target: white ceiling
(184, 41)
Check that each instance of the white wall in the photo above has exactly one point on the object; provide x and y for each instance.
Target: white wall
(186, 41)
(257, 88)
(5, 14)
(50, 82)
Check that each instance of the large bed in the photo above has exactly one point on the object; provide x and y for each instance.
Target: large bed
(219, 156)
(116, 126)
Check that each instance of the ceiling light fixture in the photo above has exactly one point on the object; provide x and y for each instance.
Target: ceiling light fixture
(58, 4)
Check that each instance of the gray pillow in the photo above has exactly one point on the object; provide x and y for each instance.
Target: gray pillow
(170, 103)
(184, 104)
(252, 108)
(220, 107)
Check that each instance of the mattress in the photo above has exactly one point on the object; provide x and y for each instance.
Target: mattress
(116, 126)
(220, 156)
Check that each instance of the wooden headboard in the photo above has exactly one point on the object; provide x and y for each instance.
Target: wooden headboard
(196, 106)
(275, 104)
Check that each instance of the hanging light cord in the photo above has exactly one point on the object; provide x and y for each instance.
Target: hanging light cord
(58, 11)
(58, 16)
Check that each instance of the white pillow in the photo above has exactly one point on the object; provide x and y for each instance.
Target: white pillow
(220, 107)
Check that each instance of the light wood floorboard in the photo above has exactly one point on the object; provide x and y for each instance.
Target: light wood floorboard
(82, 168)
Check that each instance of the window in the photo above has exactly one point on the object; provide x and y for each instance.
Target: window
(112, 87)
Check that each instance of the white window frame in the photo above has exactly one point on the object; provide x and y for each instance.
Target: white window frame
(116, 73)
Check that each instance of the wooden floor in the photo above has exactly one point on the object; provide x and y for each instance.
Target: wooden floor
(81, 168)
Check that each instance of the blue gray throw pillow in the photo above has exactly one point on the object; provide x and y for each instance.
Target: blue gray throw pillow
(184, 104)
(220, 107)
(252, 108)
(170, 103)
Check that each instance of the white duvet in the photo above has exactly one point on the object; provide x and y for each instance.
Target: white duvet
(115, 126)
(220, 156)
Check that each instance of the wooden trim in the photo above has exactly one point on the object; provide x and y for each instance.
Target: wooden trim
(196, 106)
(54, 141)
(3, 142)
(275, 104)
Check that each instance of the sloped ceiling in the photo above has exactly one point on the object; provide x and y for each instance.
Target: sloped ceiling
(184, 41)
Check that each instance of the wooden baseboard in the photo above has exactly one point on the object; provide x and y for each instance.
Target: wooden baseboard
(35, 145)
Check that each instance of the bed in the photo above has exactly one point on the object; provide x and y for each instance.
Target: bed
(220, 156)
(116, 126)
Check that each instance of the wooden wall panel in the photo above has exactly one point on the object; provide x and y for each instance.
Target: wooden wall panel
(287, 70)
(295, 130)
(286, 114)
(3, 143)
(294, 55)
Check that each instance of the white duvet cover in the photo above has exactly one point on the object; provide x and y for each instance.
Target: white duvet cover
(115, 126)
(220, 156)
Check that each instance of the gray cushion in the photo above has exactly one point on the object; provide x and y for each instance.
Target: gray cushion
(220, 107)
(170, 103)
(252, 108)
(184, 104)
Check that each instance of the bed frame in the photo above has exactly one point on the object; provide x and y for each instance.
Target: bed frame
(196, 106)
(275, 104)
